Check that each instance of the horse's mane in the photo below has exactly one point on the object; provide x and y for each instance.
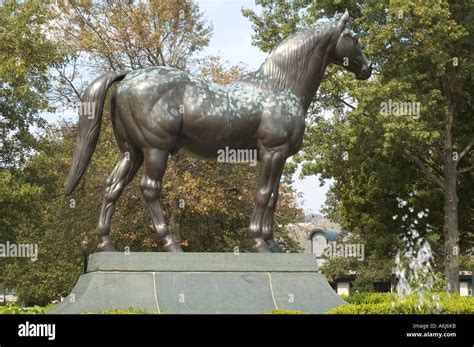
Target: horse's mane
(288, 62)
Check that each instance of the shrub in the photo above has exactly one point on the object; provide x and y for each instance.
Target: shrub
(13, 308)
(369, 298)
(130, 310)
(386, 303)
(362, 285)
(284, 312)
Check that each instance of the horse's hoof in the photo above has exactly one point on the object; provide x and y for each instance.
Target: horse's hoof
(107, 246)
(260, 246)
(172, 247)
(274, 246)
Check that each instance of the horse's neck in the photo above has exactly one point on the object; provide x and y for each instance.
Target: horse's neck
(306, 90)
(303, 79)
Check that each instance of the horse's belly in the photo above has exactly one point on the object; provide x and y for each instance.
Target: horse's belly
(215, 117)
(207, 135)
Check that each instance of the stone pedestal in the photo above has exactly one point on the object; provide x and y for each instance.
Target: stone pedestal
(200, 283)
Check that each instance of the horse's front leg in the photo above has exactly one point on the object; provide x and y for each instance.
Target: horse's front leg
(271, 164)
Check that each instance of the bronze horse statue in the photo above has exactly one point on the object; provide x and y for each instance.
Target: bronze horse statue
(160, 110)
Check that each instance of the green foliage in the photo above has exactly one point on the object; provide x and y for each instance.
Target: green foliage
(122, 36)
(47, 225)
(278, 21)
(131, 310)
(280, 311)
(361, 285)
(339, 267)
(368, 298)
(386, 303)
(368, 270)
(466, 261)
(26, 54)
(13, 308)
(439, 282)
(15, 195)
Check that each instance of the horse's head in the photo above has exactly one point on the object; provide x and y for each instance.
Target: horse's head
(347, 52)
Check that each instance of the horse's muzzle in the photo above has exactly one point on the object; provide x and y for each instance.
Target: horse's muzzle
(364, 73)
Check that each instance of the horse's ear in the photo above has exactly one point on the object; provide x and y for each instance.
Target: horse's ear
(343, 21)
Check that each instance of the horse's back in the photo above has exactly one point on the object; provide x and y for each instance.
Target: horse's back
(168, 108)
(198, 115)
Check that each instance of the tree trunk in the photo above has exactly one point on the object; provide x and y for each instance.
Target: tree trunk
(450, 228)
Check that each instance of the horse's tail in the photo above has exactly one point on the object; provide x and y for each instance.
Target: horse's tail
(90, 117)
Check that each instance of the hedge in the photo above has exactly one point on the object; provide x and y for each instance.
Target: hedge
(13, 308)
(360, 303)
(279, 311)
(386, 303)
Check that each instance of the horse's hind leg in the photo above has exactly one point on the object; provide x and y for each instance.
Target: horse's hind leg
(155, 161)
(267, 223)
(122, 174)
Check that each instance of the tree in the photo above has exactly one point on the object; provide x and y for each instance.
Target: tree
(46, 224)
(422, 57)
(15, 198)
(26, 54)
(126, 35)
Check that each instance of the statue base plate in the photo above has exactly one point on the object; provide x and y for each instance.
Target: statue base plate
(201, 283)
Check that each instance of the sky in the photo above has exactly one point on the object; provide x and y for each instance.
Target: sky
(232, 39)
